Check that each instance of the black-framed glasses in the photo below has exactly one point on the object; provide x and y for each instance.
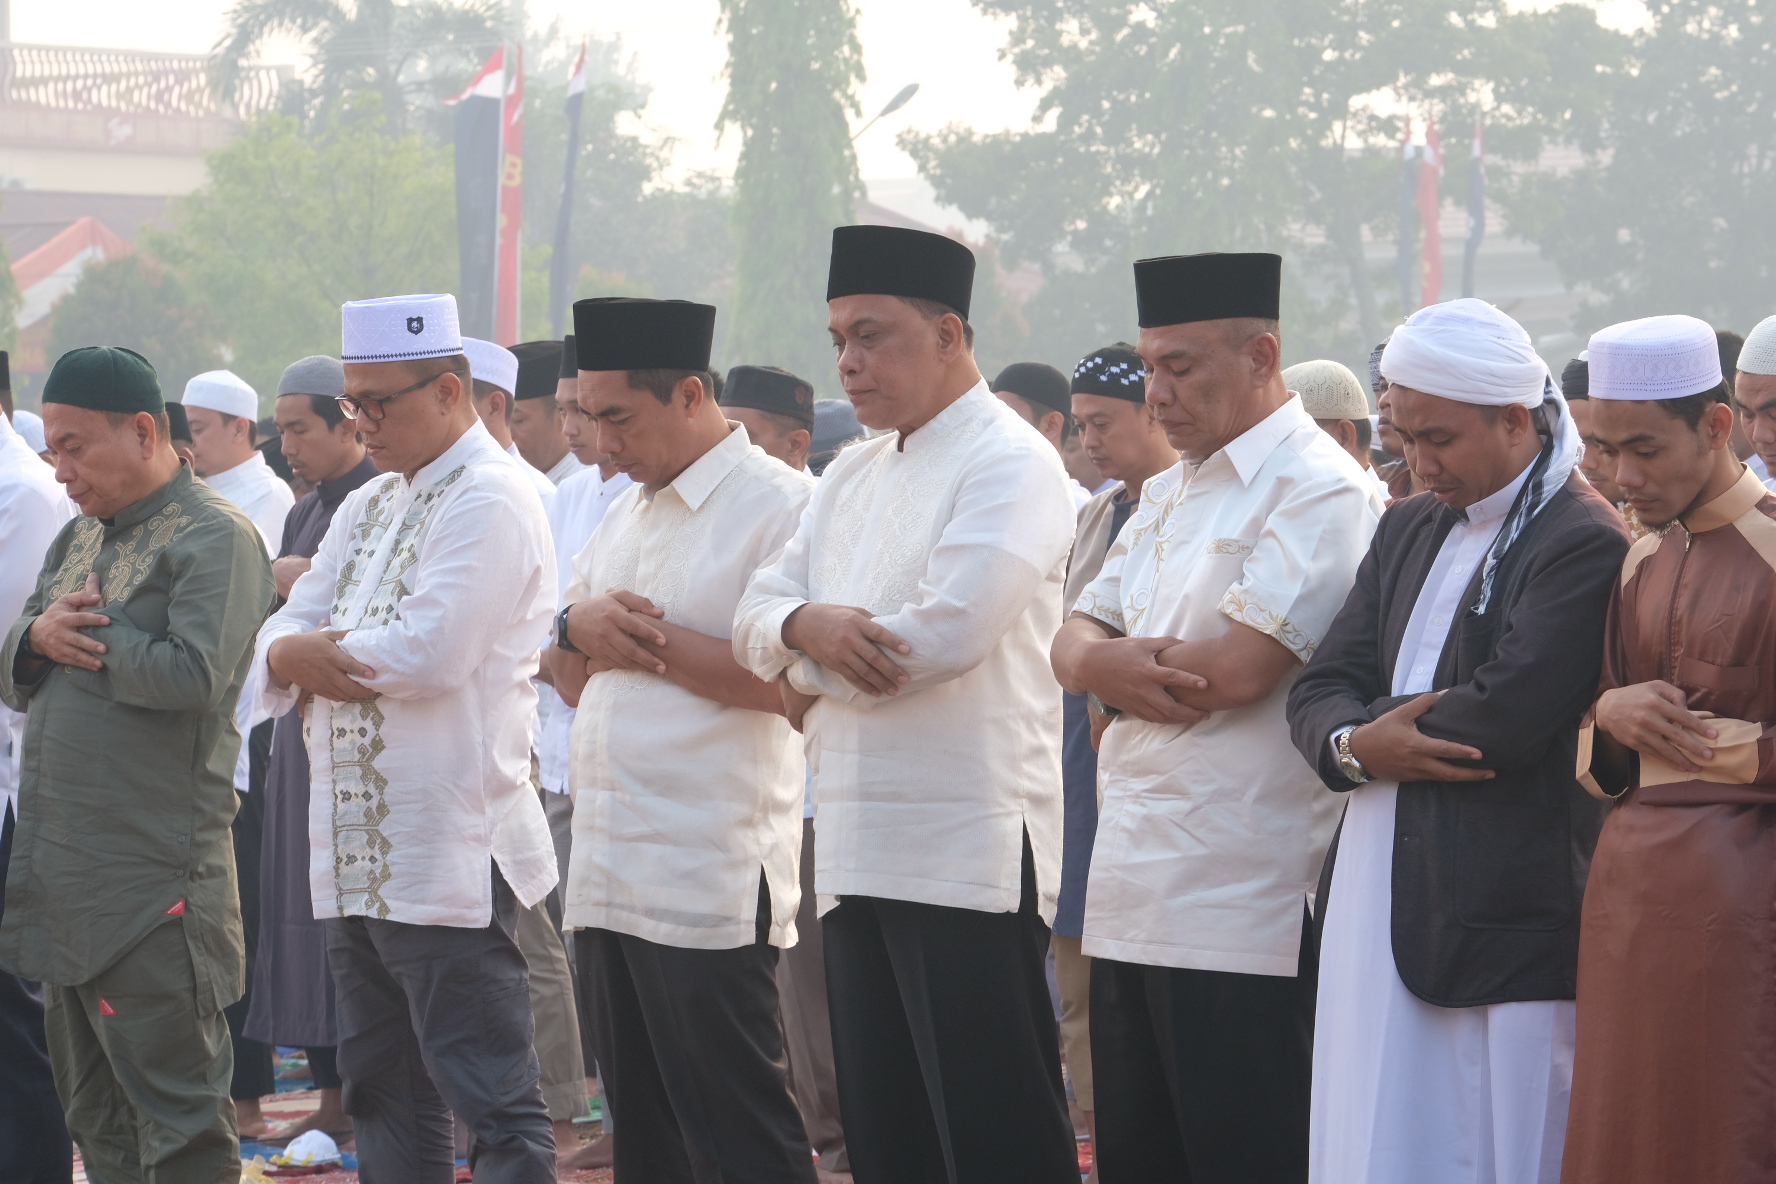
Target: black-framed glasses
(373, 409)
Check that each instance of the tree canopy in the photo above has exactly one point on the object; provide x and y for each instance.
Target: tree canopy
(793, 71)
(135, 302)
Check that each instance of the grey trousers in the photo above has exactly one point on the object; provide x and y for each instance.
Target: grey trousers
(557, 1019)
(807, 1028)
(435, 1020)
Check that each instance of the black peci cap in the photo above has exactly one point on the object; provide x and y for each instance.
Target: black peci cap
(1179, 289)
(628, 333)
(894, 261)
(768, 388)
(1575, 379)
(1116, 371)
(539, 369)
(570, 358)
(179, 427)
(1036, 381)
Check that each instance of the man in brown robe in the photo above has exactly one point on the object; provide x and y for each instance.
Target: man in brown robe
(1675, 1071)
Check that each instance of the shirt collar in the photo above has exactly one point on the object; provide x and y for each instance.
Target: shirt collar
(1494, 506)
(972, 402)
(1730, 506)
(1251, 448)
(334, 489)
(476, 440)
(702, 475)
(245, 471)
(142, 510)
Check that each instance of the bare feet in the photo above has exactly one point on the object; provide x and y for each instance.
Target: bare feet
(599, 1153)
(249, 1119)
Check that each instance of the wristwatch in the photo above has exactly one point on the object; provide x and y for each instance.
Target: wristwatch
(561, 641)
(1101, 707)
(1348, 764)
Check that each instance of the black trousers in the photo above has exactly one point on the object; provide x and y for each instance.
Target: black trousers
(323, 1067)
(693, 1059)
(34, 1143)
(1202, 1077)
(255, 1075)
(945, 1045)
(435, 1020)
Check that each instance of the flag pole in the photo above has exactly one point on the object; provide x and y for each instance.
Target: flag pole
(561, 257)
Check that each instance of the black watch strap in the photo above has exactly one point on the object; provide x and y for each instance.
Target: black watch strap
(561, 640)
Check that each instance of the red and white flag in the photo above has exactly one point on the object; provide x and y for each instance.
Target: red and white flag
(1430, 171)
(511, 206)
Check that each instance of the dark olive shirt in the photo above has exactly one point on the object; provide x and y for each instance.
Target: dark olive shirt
(126, 789)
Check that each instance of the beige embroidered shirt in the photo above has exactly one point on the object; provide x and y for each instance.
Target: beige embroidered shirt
(446, 583)
(1211, 835)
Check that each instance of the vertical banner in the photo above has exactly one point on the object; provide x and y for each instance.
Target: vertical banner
(478, 194)
(1476, 207)
(561, 268)
(511, 206)
(1406, 252)
(1430, 201)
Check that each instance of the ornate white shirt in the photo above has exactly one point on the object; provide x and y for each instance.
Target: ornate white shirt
(956, 539)
(446, 583)
(680, 801)
(1211, 835)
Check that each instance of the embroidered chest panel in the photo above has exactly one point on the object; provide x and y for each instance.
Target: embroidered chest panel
(134, 556)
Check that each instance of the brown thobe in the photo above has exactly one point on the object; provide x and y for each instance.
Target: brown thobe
(1675, 1077)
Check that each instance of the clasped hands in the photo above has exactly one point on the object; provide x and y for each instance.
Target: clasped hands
(1391, 748)
(1654, 719)
(317, 665)
(56, 633)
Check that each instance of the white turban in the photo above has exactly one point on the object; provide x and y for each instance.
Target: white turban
(1469, 351)
(1759, 354)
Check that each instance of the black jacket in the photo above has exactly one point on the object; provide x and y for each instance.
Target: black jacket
(1488, 876)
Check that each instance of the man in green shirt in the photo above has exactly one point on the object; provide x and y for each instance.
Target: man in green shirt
(121, 892)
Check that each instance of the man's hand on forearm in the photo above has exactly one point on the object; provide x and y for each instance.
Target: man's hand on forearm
(315, 663)
(56, 633)
(610, 630)
(1653, 718)
(850, 643)
(1123, 671)
(1392, 748)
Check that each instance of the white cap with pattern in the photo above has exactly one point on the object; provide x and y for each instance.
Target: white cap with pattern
(224, 391)
(1759, 354)
(399, 328)
(1669, 357)
(491, 363)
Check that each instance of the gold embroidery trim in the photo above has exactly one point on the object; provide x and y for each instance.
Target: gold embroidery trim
(1246, 611)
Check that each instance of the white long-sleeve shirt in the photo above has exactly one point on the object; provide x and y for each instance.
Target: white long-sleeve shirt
(445, 583)
(33, 510)
(579, 506)
(956, 539)
(261, 494)
(680, 801)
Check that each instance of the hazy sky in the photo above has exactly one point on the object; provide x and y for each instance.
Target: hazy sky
(946, 46)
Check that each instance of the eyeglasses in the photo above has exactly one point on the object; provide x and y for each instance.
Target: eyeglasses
(373, 409)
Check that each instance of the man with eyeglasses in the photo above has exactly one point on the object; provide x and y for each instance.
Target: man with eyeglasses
(411, 643)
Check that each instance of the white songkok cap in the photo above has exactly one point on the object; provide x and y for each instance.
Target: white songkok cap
(1468, 351)
(1654, 358)
(491, 363)
(399, 328)
(1328, 389)
(224, 391)
(1759, 354)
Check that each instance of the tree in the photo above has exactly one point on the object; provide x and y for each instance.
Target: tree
(793, 71)
(633, 235)
(1674, 207)
(1230, 125)
(135, 302)
(290, 226)
(414, 54)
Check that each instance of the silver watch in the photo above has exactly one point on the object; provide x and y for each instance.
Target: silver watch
(1348, 764)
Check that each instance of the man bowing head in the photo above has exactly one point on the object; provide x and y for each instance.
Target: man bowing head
(1214, 594)
(413, 637)
(908, 618)
(1446, 701)
(687, 825)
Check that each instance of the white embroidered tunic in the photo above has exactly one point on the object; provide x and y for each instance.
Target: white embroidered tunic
(1211, 835)
(445, 583)
(681, 801)
(956, 540)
